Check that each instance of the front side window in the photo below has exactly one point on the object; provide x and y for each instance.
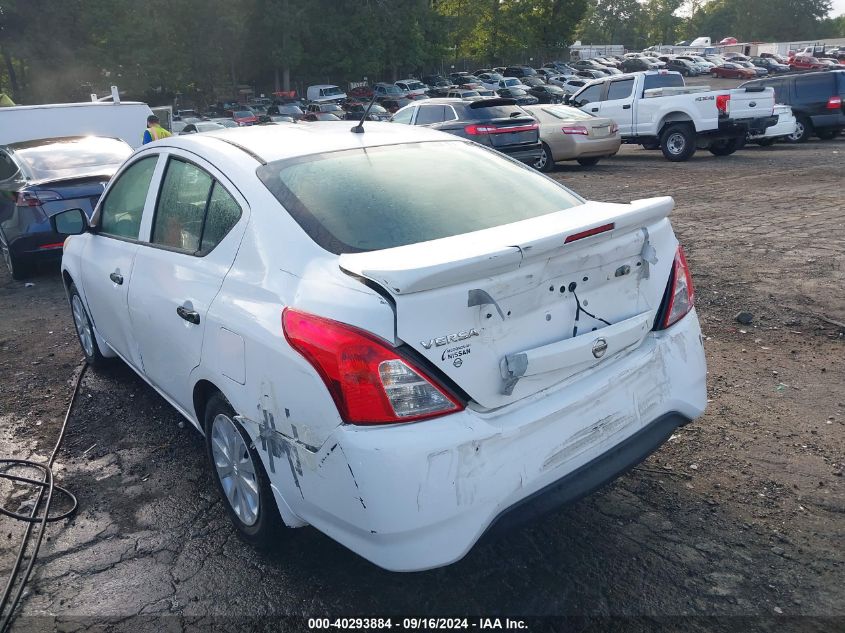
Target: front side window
(404, 116)
(121, 211)
(181, 206)
(620, 89)
(590, 95)
(382, 197)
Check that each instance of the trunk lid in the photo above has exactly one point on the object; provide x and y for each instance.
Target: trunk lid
(512, 310)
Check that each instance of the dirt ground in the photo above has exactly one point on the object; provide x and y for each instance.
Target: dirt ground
(740, 514)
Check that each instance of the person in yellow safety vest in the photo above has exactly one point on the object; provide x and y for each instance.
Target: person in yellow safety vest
(154, 131)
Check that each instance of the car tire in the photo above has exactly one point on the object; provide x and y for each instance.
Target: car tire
(677, 142)
(588, 162)
(84, 329)
(546, 162)
(19, 268)
(725, 147)
(247, 496)
(803, 130)
(827, 133)
(765, 142)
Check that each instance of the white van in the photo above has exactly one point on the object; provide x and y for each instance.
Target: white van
(325, 93)
(126, 120)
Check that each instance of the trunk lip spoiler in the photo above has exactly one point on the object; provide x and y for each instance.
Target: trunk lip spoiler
(430, 265)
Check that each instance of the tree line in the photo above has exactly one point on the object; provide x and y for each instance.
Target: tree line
(206, 50)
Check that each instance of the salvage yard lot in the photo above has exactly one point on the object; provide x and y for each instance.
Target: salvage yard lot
(740, 513)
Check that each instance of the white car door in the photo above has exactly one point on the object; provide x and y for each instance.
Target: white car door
(195, 231)
(619, 104)
(109, 256)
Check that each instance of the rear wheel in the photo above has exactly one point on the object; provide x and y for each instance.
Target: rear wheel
(724, 147)
(239, 476)
(84, 329)
(546, 161)
(18, 268)
(678, 142)
(827, 133)
(803, 129)
(588, 162)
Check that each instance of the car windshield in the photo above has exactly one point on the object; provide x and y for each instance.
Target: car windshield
(393, 90)
(415, 85)
(66, 157)
(512, 82)
(241, 114)
(290, 109)
(227, 123)
(567, 113)
(469, 93)
(382, 197)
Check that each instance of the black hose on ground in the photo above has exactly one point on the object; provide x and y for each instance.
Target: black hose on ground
(45, 485)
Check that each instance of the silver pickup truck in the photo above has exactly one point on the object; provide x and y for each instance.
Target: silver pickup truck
(655, 109)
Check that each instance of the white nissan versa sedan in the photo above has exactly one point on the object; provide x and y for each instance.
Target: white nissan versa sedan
(402, 373)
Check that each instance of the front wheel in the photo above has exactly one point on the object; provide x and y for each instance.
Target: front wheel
(725, 147)
(239, 476)
(84, 329)
(588, 162)
(678, 142)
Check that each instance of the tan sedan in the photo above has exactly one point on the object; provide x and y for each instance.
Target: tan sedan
(570, 134)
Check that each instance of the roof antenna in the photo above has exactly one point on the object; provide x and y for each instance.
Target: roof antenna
(359, 129)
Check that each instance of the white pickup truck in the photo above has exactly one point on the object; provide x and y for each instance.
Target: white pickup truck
(655, 109)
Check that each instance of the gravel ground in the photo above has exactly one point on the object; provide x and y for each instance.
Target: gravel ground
(739, 514)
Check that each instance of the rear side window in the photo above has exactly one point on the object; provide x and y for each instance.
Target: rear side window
(121, 211)
(404, 116)
(429, 114)
(8, 167)
(383, 197)
(813, 88)
(194, 212)
(181, 206)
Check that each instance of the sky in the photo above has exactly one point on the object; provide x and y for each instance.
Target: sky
(838, 7)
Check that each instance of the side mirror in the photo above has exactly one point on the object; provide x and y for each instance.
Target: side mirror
(69, 222)
(566, 99)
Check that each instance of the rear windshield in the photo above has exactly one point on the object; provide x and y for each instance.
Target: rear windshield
(382, 197)
(67, 157)
(668, 80)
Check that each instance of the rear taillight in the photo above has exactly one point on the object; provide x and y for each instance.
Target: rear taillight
(368, 380)
(614, 128)
(575, 129)
(834, 103)
(478, 130)
(35, 198)
(682, 292)
(722, 103)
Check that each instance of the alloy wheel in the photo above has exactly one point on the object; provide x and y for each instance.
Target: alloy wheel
(235, 469)
(83, 326)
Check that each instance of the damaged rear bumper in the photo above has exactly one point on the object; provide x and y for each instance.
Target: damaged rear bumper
(420, 495)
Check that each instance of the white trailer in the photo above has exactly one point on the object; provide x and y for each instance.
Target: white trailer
(124, 120)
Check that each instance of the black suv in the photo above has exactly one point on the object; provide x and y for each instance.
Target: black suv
(519, 71)
(496, 123)
(817, 100)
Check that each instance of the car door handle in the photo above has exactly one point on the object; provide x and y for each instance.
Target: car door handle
(626, 107)
(594, 109)
(191, 316)
(117, 278)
